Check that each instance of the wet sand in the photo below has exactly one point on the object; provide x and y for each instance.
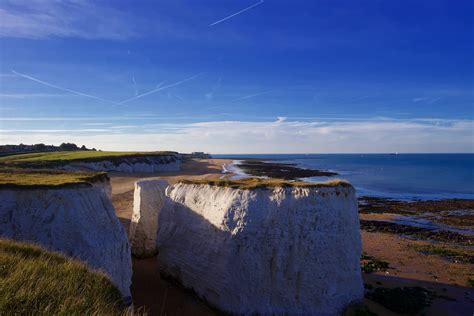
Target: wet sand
(407, 266)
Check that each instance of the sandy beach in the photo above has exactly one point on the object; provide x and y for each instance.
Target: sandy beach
(407, 267)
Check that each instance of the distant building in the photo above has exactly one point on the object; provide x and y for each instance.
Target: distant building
(200, 154)
(197, 154)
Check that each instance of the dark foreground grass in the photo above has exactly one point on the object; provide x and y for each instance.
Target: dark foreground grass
(24, 178)
(34, 281)
(254, 183)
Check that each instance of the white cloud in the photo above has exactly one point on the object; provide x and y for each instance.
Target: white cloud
(272, 136)
(62, 18)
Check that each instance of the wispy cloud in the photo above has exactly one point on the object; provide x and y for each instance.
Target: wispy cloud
(58, 87)
(210, 94)
(282, 136)
(30, 95)
(280, 119)
(236, 13)
(135, 85)
(428, 100)
(69, 18)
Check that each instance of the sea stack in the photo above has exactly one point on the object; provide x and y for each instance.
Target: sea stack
(148, 200)
(256, 247)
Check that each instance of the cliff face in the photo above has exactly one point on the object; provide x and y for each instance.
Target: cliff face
(279, 250)
(129, 164)
(77, 221)
(148, 200)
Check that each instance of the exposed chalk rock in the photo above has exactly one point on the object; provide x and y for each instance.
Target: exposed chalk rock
(128, 164)
(148, 200)
(282, 250)
(78, 221)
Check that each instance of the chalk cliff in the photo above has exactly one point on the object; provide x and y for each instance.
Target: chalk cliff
(276, 250)
(128, 164)
(77, 220)
(148, 200)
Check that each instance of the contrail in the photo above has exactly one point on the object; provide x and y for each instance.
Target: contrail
(158, 89)
(135, 85)
(251, 96)
(60, 88)
(237, 13)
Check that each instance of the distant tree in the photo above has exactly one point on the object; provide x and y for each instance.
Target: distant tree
(39, 147)
(83, 147)
(93, 149)
(68, 146)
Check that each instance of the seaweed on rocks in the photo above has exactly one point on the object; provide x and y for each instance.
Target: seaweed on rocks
(416, 232)
(280, 170)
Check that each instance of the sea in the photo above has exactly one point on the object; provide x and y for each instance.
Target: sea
(398, 176)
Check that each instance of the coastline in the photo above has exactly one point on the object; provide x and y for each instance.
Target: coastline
(292, 170)
(408, 265)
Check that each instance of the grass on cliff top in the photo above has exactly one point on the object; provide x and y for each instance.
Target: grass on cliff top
(47, 178)
(76, 155)
(34, 281)
(253, 183)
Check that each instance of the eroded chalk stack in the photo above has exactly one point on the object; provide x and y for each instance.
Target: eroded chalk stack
(149, 197)
(265, 250)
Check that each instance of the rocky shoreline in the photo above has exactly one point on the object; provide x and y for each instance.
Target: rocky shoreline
(259, 168)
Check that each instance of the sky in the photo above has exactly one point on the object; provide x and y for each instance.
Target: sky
(239, 76)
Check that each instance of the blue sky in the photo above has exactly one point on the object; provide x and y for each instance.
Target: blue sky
(283, 76)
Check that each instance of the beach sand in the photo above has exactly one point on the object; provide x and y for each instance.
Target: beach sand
(407, 267)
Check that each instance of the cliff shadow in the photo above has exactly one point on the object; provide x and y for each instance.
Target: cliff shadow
(443, 299)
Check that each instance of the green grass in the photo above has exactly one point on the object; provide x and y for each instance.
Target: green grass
(76, 155)
(253, 183)
(453, 254)
(34, 281)
(23, 178)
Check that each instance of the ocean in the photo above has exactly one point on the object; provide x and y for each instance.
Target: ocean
(401, 176)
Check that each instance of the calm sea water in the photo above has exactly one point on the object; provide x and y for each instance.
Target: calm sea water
(403, 176)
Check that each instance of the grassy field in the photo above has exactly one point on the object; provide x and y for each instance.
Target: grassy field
(34, 281)
(76, 155)
(253, 183)
(10, 178)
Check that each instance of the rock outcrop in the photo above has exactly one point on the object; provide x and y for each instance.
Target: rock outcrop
(77, 220)
(148, 200)
(279, 250)
(128, 164)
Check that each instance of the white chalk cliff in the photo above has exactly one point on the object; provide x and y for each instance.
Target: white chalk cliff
(272, 251)
(77, 220)
(128, 164)
(148, 200)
